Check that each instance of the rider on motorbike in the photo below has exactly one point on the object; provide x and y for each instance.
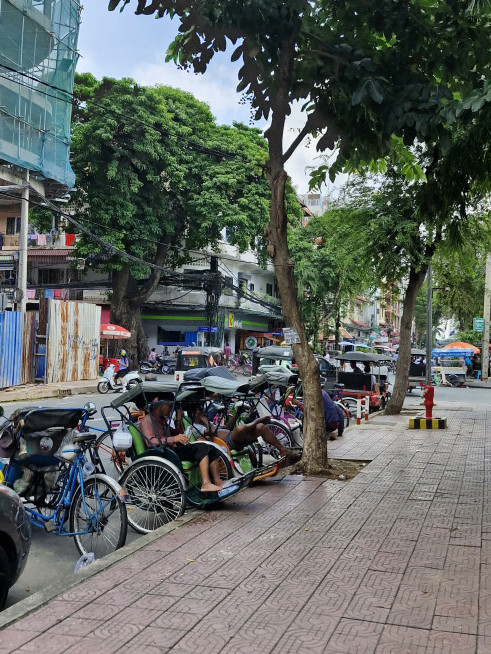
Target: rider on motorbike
(152, 357)
(124, 364)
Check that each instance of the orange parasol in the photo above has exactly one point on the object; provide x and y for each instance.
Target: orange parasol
(461, 346)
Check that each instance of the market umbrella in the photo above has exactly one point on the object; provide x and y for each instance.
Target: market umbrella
(460, 345)
(113, 332)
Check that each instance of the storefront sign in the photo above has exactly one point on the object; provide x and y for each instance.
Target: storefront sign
(231, 320)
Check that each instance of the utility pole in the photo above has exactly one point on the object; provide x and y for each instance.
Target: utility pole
(429, 325)
(485, 336)
(24, 219)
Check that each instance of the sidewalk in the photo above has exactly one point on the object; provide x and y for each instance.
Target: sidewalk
(397, 560)
(43, 391)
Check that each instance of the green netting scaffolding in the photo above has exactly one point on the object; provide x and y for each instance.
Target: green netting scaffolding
(38, 54)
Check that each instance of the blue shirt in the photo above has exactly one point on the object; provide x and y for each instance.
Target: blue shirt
(331, 413)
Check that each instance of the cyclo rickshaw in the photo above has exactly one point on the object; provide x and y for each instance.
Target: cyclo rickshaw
(158, 483)
(231, 396)
(351, 385)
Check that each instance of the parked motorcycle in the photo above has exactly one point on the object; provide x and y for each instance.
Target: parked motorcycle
(108, 382)
(164, 366)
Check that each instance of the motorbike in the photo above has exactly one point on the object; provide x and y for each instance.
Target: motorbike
(107, 383)
(164, 366)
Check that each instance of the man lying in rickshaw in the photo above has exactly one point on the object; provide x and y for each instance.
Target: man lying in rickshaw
(241, 436)
(160, 420)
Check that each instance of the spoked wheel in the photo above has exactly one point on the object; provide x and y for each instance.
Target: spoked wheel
(224, 466)
(103, 387)
(346, 413)
(232, 365)
(98, 518)
(114, 462)
(283, 434)
(156, 494)
(350, 403)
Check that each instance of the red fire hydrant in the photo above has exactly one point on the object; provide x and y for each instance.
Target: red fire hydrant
(428, 394)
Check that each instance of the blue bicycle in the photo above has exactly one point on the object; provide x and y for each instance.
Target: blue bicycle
(58, 473)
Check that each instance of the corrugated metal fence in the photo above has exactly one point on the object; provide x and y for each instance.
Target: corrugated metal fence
(16, 347)
(73, 341)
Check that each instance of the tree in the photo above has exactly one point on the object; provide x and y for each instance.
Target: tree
(362, 71)
(459, 276)
(327, 277)
(156, 176)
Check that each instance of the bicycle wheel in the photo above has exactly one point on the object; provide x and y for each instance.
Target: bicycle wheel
(224, 466)
(284, 436)
(345, 411)
(98, 519)
(114, 463)
(350, 403)
(156, 494)
(232, 364)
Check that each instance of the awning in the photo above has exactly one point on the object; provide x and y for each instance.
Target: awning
(49, 255)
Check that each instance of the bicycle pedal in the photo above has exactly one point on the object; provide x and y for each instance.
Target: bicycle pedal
(49, 526)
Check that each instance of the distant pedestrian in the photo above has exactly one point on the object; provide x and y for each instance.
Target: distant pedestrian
(227, 351)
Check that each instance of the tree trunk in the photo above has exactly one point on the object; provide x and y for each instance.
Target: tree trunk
(314, 459)
(415, 282)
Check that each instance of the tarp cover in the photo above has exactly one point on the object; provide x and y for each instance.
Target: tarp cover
(195, 374)
(227, 387)
(146, 392)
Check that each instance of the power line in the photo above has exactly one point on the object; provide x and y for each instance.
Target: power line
(204, 149)
(170, 275)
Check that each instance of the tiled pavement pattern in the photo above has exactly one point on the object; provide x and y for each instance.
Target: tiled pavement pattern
(397, 560)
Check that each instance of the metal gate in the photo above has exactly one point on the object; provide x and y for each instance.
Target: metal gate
(73, 341)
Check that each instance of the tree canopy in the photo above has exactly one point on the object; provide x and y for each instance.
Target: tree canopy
(363, 73)
(157, 177)
(327, 275)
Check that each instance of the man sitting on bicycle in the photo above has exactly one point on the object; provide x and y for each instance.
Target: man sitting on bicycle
(239, 437)
(154, 427)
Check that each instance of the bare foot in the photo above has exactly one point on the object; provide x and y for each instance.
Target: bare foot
(209, 487)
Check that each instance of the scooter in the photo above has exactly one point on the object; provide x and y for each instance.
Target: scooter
(122, 384)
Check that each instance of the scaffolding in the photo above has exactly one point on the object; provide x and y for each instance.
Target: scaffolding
(38, 55)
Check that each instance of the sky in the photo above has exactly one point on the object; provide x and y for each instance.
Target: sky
(121, 44)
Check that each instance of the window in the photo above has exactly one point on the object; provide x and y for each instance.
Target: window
(51, 276)
(269, 289)
(251, 287)
(13, 225)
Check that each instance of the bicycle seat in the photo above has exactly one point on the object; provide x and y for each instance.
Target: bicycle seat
(84, 438)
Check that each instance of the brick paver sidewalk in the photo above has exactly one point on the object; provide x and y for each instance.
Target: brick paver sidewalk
(397, 560)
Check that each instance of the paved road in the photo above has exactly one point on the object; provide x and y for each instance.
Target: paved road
(52, 557)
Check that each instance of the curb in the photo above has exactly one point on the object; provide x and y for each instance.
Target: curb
(43, 393)
(42, 597)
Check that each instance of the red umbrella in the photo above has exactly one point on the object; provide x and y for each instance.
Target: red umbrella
(113, 332)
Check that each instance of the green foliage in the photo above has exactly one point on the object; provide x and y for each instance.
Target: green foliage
(459, 272)
(153, 167)
(326, 274)
(469, 336)
(386, 68)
